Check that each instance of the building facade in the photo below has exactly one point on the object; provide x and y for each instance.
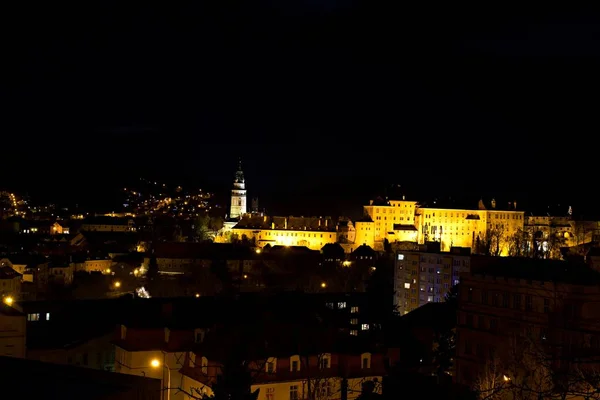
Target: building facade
(406, 221)
(393, 220)
(12, 332)
(294, 377)
(422, 277)
(510, 307)
(312, 232)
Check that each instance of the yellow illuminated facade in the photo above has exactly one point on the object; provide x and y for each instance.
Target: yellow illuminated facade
(364, 233)
(393, 220)
(402, 220)
(462, 228)
(311, 232)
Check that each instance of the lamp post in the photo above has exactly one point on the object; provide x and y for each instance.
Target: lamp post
(155, 363)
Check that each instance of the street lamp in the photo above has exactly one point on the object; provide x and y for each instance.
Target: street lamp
(8, 300)
(117, 284)
(323, 285)
(155, 363)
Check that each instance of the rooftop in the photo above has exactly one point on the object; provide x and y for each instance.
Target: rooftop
(535, 269)
(38, 380)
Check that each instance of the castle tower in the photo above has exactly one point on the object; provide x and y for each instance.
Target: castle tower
(238, 195)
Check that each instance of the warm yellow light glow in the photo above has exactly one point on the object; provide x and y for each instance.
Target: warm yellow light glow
(197, 294)
(9, 300)
(258, 251)
(155, 363)
(506, 378)
(245, 276)
(346, 263)
(108, 270)
(117, 284)
(323, 285)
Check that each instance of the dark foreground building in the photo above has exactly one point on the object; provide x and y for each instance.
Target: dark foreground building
(37, 380)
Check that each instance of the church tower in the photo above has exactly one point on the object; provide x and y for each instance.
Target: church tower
(238, 195)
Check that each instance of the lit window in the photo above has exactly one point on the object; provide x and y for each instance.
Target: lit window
(342, 304)
(400, 257)
(47, 316)
(294, 392)
(354, 332)
(354, 321)
(354, 309)
(365, 327)
(33, 317)
(406, 285)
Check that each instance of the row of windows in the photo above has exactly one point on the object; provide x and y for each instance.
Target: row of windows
(503, 299)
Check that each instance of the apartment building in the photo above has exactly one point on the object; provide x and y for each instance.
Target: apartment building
(425, 276)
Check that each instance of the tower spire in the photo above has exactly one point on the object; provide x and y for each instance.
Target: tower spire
(238, 194)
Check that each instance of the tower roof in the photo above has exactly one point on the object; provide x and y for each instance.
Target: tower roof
(239, 175)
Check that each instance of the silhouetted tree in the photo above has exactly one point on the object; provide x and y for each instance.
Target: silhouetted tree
(202, 227)
(444, 349)
(152, 267)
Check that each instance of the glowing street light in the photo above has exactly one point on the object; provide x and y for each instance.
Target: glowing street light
(8, 300)
(155, 363)
(117, 284)
(197, 295)
(323, 285)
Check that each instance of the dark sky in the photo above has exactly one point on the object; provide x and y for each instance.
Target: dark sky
(324, 100)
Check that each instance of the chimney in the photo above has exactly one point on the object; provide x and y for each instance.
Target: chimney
(325, 223)
(285, 223)
(319, 222)
(515, 204)
(370, 202)
(494, 203)
(272, 225)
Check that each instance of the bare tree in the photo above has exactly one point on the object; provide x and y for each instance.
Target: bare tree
(531, 372)
(517, 243)
(492, 383)
(320, 382)
(492, 242)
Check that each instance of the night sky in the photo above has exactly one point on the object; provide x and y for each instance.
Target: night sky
(327, 101)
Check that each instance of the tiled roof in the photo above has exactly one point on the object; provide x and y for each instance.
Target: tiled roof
(289, 223)
(201, 251)
(7, 272)
(535, 269)
(9, 311)
(103, 220)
